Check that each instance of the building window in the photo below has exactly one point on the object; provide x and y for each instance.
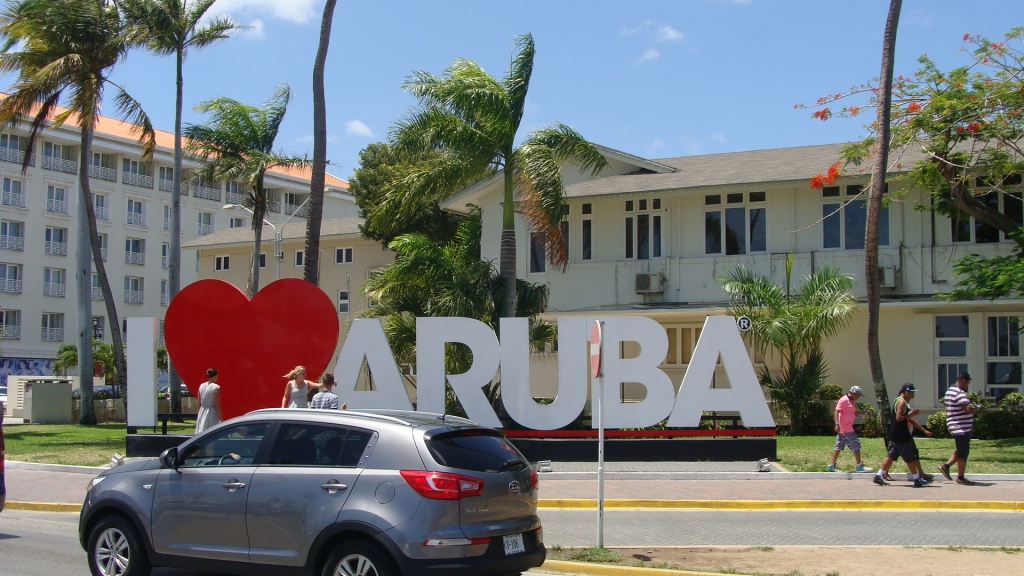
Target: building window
(1002, 358)
(643, 231)
(134, 251)
(844, 224)
(221, 263)
(681, 342)
(263, 259)
(54, 282)
(205, 223)
(164, 298)
(236, 223)
(103, 247)
(97, 291)
(538, 256)
(132, 290)
(587, 250)
(51, 150)
(13, 195)
(964, 228)
(53, 327)
(343, 255)
(10, 320)
(99, 203)
(952, 337)
(10, 278)
(133, 166)
(165, 250)
(740, 228)
(56, 200)
(299, 257)
(166, 173)
(588, 209)
(343, 302)
(56, 241)
(12, 235)
(136, 213)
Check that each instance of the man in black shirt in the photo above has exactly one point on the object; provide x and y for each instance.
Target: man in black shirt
(901, 439)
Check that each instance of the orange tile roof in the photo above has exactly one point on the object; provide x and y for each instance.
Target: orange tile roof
(165, 139)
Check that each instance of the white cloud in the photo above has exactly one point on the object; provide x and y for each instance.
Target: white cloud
(299, 11)
(649, 54)
(358, 128)
(666, 33)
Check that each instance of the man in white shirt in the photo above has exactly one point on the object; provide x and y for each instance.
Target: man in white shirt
(325, 399)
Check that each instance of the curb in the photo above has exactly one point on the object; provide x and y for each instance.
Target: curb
(43, 506)
(866, 476)
(614, 570)
(979, 505)
(92, 470)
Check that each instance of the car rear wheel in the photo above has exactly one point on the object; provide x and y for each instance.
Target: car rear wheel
(115, 549)
(359, 558)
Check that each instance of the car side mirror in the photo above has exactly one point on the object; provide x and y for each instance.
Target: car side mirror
(169, 458)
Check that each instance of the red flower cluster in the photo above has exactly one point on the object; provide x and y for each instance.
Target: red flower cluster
(823, 114)
(913, 107)
(973, 127)
(819, 181)
(967, 37)
(854, 110)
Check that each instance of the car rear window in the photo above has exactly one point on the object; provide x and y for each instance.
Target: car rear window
(476, 450)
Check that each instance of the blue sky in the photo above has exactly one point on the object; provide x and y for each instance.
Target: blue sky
(652, 78)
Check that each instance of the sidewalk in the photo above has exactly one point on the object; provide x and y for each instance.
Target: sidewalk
(69, 487)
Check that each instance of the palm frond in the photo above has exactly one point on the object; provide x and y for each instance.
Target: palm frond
(517, 83)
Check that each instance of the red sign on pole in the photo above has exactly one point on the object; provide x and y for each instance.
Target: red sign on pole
(595, 349)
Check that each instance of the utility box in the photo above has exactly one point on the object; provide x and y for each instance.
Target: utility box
(47, 401)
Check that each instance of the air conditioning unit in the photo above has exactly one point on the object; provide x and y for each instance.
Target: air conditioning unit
(887, 276)
(648, 284)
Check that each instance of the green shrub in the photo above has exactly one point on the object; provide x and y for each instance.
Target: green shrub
(818, 418)
(998, 424)
(828, 392)
(1012, 402)
(872, 426)
(937, 424)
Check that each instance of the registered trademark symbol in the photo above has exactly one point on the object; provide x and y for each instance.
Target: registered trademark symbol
(744, 323)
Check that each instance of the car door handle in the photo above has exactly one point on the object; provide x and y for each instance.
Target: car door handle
(233, 485)
(333, 486)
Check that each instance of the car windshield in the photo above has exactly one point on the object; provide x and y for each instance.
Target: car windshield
(476, 450)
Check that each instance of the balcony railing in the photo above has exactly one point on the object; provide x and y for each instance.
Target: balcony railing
(164, 299)
(133, 296)
(103, 173)
(234, 197)
(57, 206)
(273, 206)
(102, 213)
(103, 254)
(204, 192)
(13, 286)
(16, 199)
(137, 218)
(205, 229)
(57, 248)
(11, 333)
(138, 258)
(296, 209)
(53, 334)
(12, 242)
(163, 261)
(16, 156)
(53, 289)
(60, 165)
(165, 185)
(97, 293)
(140, 180)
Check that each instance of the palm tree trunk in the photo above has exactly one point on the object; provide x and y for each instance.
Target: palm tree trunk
(174, 249)
(874, 211)
(507, 260)
(258, 211)
(311, 271)
(83, 273)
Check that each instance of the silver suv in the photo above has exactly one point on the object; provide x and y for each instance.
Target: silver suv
(321, 492)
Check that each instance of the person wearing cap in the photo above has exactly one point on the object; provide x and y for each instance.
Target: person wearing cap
(960, 421)
(901, 440)
(845, 414)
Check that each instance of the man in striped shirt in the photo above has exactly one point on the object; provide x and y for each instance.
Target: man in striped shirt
(959, 421)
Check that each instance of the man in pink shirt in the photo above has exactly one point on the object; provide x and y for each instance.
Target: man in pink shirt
(846, 413)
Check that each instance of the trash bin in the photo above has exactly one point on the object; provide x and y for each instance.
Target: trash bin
(47, 402)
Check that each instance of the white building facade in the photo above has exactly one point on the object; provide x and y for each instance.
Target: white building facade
(38, 231)
(654, 238)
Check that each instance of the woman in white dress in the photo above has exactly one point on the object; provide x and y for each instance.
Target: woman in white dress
(209, 402)
(297, 389)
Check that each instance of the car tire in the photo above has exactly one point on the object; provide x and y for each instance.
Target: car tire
(359, 558)
(116, 549)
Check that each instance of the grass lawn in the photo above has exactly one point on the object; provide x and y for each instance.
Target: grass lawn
(812, 454)
(71, 444)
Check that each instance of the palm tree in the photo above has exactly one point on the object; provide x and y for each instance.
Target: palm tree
(874, 212)
(169, 27)
(311, 271)
(238, 144)
(69, 47)
(473, 118)
(794, 326)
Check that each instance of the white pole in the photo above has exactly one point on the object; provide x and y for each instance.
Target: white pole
(600, 452)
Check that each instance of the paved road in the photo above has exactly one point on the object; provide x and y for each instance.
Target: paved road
(783, 528)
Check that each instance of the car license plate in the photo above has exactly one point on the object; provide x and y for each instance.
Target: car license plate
(514, 544)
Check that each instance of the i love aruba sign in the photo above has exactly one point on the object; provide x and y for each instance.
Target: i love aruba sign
(254, 343)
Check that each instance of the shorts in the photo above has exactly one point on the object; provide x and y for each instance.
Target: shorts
(906, 450)
(963, 445)
(849, 440)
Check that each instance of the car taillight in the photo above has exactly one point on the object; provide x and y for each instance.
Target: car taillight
(442, 485)
(534, 479)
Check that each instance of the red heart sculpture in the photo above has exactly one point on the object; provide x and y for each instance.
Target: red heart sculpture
(252, 344)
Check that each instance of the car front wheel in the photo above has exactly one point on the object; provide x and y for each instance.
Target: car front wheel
(359, 558)
(115, 549)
